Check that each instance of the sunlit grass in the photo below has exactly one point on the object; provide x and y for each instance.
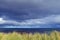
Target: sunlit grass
(54, 35)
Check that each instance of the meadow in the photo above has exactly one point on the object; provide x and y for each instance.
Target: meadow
(54, 35)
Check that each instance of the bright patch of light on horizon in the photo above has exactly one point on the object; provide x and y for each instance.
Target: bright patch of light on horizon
(2, 21)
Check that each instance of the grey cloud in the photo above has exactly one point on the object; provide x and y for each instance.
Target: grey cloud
(28, 9)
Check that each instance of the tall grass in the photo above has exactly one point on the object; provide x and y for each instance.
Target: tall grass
(54, 35)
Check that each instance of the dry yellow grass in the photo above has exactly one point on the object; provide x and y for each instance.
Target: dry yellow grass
(54, 35)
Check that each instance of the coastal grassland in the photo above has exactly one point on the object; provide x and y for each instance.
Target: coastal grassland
(54, 35)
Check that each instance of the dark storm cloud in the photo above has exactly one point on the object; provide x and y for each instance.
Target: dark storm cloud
(47, 22)
(29, 12)
(25, 14)
(21, 10)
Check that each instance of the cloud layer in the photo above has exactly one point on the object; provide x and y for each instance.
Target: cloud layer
(46, 20)
(33, 23)
(24, 9)
(30, 12)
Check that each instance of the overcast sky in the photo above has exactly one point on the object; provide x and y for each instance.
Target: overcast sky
(29, 13)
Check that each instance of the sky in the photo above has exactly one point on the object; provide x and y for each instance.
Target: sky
(29, 13)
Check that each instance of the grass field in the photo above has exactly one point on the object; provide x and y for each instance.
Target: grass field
(54, 35)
